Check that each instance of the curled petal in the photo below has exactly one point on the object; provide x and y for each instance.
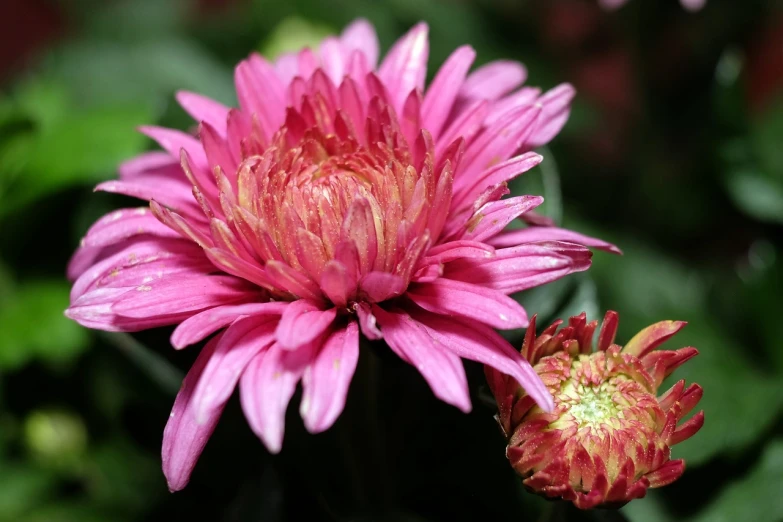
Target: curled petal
(302, 322)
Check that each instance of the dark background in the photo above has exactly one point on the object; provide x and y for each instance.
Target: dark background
(673, 151)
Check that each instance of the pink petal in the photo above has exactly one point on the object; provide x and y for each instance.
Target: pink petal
(367, 321)
(238, 345)
(493, 80)
(261, 92)
(467, 189)
(184, 438)
(236, 266)
(441, 368)
(143, 163)
(405, 66)
(173, 141)
(537, 234)
(216, 149)
(123, 224)
(333, 58)
(453, 250)
(480, 343)
(142, 261)
(204, 109)
(266, 388)
(556, 109)
(358, 228)
(179, 294)
(499, 141)
(327, 380)
(523, 96)
(203, 324)
(449, 297)
(302, 322)
(493, 217)
(443, 90)
(519, 268)
(338, 283)
(360, 36)
(172, 191)
(292, 281)
(465, 125)
(94, 310)
(380, 286)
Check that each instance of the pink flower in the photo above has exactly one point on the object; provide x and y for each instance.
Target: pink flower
(690, 5)
(340, 199)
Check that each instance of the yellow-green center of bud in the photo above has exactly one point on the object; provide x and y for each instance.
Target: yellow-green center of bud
(593, 406)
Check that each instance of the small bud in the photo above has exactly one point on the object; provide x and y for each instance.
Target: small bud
(610, 435)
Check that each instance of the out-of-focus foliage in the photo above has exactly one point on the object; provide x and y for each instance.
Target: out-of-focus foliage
(673, 152)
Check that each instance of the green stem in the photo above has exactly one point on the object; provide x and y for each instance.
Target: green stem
(158, 369)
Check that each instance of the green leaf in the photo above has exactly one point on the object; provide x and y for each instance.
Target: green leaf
(81, 148)
(293, 34)
(754, 497)
(72, 511)
(148, 72)
(33, 326)
(757, 195)
(22, 488)
(740, 402)
(765, 136)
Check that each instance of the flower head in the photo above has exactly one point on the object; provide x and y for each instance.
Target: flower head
(339, 199)
(610, 434)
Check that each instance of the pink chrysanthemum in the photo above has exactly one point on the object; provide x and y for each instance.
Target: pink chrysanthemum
(338, 199)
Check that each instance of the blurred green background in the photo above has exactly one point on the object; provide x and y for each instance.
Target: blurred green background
(673, 152)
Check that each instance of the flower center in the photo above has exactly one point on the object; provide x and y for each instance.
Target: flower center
(340, 207)
(594, 405)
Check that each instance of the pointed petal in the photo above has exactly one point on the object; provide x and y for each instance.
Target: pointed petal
(467, 189)
(360, 36)
(651, 337)
(405, 66)
(556, 109)
(501, 140)
(204, 109)
(493, 80)
(203, 324)
(442, 370)
(519, 268)
(238, 345)
(326, 382)
(449, 297)
(493, 217)
(538, 234)
(124, 223)
(442, 92)
(474, 341)
(179, 294)
(184, 438)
